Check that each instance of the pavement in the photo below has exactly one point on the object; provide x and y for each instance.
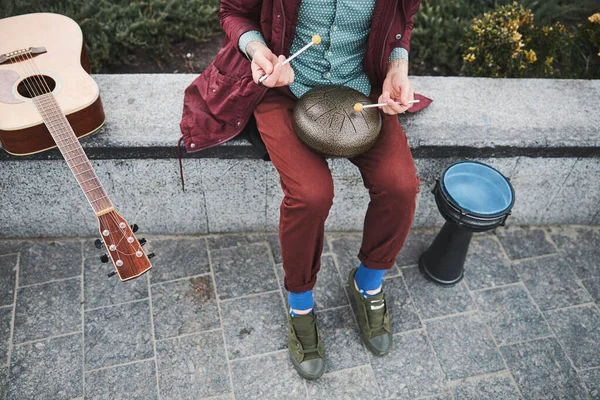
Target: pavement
(208, 321)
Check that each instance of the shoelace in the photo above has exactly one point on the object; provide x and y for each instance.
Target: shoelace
(375, 313)
(307, 335)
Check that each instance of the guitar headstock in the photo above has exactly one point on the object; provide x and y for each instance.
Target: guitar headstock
(123, 248)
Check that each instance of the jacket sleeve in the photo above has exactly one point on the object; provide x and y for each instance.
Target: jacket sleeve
(408, 27)
(237, 18)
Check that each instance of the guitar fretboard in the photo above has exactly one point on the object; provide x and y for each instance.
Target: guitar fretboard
(73, 153)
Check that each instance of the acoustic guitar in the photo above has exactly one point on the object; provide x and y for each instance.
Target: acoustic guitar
(48, 99)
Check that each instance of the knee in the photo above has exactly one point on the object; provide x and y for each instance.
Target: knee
(396, 187)
(315, 197)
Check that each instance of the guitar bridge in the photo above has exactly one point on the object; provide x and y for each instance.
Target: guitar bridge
(21, 55)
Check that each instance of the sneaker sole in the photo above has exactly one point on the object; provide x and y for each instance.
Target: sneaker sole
(302, 373)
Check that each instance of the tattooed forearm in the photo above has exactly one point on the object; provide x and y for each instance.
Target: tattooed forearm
(399, 63)
(252, 47)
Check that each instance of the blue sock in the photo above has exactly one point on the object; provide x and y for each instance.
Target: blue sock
(300, 301)
(368, 279)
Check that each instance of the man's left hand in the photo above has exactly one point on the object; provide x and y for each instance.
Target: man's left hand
(397, 87)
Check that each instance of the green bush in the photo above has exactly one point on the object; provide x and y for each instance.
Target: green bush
(506, 43)
(114, 29)
(440, 27)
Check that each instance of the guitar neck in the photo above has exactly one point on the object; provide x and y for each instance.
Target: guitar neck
(73, 153)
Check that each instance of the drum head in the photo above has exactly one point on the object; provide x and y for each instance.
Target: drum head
(477, 189)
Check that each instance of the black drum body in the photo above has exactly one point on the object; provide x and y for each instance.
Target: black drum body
(325, 121)
(472, 197)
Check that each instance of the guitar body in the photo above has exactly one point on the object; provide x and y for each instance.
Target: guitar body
(48, 99)
(22, 129)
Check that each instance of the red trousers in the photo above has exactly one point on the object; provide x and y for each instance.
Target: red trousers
(388, 172)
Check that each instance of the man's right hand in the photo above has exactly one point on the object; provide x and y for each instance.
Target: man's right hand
(265, 62)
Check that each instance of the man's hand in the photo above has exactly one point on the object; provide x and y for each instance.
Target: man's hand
(397, 87)
(265, 62)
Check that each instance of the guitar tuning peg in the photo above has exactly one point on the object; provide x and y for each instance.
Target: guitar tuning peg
(111, 274)
(104, 258)
(134, 228)
(151, 255)
(98, 244)
(142, 241)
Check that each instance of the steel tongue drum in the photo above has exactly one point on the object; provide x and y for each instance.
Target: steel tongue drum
(326, 122)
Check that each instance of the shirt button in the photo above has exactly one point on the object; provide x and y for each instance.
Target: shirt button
(398, 36)
(192, 145)
(329, 53)
(335, 28)
(328, 74)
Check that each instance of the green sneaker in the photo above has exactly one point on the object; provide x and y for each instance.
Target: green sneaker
(306, 349)
(373, 319)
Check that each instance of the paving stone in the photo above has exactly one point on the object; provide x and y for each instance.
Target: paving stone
(524, 243)
(403, 314)
(10, 246)
(341, 338)
(464, 346)
(591, 380)
(254, 325)
(109, 383)
(100, 290)
(328, 291)
(578, 330)
(243, 270)
(346, 248)
(3, 382)
(409, 370)
(498, 387)
(433, 300)
(581, 248)
(510, 314)
(117, 335)
(48, 309)
(348, 384)
(184, 306)
(417, 242)
(267, 377)
(49, 369)
(551, 282)
(177, 258)
(226, 241)
(592, 285)
(542, 370)
(8, 272)
(43, 261)
(487, 266)
(192, 367)
(5, 322)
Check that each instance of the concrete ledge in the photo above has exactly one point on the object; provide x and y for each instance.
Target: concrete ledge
(478, 117)
(543, 134)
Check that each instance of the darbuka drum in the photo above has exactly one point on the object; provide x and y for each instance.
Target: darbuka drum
(325, 121)
(472, 197)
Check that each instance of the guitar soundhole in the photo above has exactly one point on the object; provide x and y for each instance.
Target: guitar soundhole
(36, 85)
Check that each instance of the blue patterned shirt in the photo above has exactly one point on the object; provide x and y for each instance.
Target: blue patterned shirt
(344, 27)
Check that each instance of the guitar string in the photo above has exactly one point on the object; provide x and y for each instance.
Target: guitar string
(35, 81)
(133, 250)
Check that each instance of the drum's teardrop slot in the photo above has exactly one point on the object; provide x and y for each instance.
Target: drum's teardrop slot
(36, 85)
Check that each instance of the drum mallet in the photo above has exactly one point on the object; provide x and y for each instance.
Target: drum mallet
(358, 107)
(316, 39)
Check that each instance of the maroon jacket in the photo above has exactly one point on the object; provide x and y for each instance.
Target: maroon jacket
(219, 103)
